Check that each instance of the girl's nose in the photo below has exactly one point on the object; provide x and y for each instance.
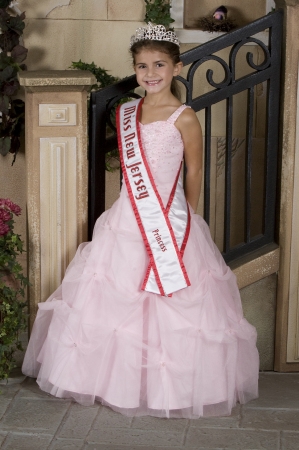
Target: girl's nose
(150, 71)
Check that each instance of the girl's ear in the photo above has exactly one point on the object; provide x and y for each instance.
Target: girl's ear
(177, 68)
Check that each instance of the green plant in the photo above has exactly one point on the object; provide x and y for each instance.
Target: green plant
(158, 12)
(12, 55)
(104, 79)
(102, 75)
(13, 318)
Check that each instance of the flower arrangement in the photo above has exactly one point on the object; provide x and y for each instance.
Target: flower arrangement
(13, 317)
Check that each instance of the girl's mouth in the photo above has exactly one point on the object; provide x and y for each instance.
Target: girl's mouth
(153, 83)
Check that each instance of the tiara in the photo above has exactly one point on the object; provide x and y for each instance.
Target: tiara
(155, 33)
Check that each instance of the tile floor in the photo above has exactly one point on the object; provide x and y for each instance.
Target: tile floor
(33, 420)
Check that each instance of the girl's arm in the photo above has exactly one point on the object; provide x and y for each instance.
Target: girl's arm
(190, 129)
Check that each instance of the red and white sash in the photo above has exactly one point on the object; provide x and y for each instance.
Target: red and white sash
(165, 231)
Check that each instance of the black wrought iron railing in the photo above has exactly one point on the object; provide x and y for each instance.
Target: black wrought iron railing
(102, 103)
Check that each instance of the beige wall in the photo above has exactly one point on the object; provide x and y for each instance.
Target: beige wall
(91, 30)
(259, 306)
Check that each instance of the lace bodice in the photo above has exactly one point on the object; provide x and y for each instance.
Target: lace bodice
(164, 148)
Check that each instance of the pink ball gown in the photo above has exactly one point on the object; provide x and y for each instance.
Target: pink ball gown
(99, 337)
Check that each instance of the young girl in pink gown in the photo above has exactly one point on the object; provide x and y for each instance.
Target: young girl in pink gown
(100, 336)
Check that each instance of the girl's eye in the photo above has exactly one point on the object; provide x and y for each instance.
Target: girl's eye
(141, 67)
(159, 65)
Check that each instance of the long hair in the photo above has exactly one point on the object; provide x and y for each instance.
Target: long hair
(171, 49)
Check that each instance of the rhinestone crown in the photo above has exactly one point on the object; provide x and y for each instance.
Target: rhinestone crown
(155, 33)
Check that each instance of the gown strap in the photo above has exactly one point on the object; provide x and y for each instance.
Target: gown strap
(172, 119)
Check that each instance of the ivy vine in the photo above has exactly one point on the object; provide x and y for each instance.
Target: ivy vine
(102, 76)
(12, 125)
(104, 79)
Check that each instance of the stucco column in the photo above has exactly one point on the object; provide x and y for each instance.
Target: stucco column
(57, 175)
(287, 324)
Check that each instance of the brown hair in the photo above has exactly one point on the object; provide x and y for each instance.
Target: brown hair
(171, 49)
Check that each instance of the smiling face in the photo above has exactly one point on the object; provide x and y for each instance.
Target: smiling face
(155, 71)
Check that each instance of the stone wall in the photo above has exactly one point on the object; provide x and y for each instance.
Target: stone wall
(259, 307)
(59, 31)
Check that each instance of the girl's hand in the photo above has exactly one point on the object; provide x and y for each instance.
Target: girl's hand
(190, 129)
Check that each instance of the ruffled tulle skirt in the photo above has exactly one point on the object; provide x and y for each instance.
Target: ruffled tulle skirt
(100, 338)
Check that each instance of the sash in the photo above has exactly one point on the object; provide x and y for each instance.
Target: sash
(165, 231)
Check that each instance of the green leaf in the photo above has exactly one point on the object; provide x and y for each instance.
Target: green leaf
(7, 73)
(10, 88)
(19, 53)
(158, 12)
(8, 40)
(101, 74)
(4, 103)
(5, 60)
(5, 145)
(16, 24)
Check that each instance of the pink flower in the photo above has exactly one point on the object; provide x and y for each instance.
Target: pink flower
(9, 203)
(10, 206)
(4, 215)
(16, 209)
(4, 228)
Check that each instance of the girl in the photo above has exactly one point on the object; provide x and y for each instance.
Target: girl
(148, 319)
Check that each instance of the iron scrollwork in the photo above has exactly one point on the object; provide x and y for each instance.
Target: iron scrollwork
(249, 56)
(111, 107)
(209, 74)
